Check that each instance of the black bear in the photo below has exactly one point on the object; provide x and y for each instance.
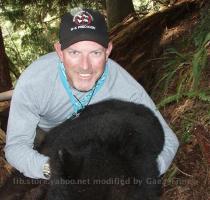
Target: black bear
(108, 153)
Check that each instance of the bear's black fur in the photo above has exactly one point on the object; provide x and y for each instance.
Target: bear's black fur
(108, 153)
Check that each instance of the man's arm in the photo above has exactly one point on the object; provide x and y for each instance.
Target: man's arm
(21, 131)
(171, 142)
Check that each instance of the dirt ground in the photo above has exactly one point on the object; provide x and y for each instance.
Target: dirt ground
(188, 178)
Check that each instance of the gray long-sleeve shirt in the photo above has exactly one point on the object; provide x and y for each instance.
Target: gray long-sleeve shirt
(39, 99)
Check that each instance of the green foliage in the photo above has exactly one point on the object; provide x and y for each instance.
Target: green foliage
(144, 5)
(199, 62)
(171, 173)
(201, 38)
(184, 70)
(150, 5)
(27, 30)
(186, 136)
(202, 95)
(178, 64)
(203, 28)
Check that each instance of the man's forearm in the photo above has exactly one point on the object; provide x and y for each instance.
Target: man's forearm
(26, 160)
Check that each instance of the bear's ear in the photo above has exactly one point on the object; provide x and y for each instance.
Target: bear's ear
(71, 164)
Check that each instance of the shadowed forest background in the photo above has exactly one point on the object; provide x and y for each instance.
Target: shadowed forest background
(164, 44)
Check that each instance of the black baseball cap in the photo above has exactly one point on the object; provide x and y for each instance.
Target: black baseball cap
(83, 25)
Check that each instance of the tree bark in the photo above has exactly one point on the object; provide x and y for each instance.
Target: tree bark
(5, 79)
(117, 10)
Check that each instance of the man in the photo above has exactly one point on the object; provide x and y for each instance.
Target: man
(58, 86)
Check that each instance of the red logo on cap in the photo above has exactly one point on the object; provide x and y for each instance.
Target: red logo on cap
(83, 18)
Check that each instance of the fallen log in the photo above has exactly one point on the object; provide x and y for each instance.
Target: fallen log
(4, 96)
(136, 40)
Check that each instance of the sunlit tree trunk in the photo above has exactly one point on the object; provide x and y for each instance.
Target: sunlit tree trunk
(117, 10)
(5, 80)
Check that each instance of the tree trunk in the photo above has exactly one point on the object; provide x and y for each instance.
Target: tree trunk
(5, 80)
(117, 10)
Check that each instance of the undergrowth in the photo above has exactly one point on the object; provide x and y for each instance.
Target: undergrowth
(183, 70)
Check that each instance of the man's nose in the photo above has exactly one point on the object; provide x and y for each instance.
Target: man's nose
(85, 63)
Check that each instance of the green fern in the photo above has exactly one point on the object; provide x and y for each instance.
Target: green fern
(199, 62)
(202, 95)
(172, 67)
(189, 78)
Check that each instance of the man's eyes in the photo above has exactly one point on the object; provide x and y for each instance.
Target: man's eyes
(77, 53)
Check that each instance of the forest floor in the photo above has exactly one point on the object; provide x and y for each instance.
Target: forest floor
(189, 176)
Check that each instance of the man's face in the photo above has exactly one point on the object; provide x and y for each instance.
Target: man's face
(84, 63)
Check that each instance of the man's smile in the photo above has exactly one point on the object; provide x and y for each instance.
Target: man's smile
(85, 76)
